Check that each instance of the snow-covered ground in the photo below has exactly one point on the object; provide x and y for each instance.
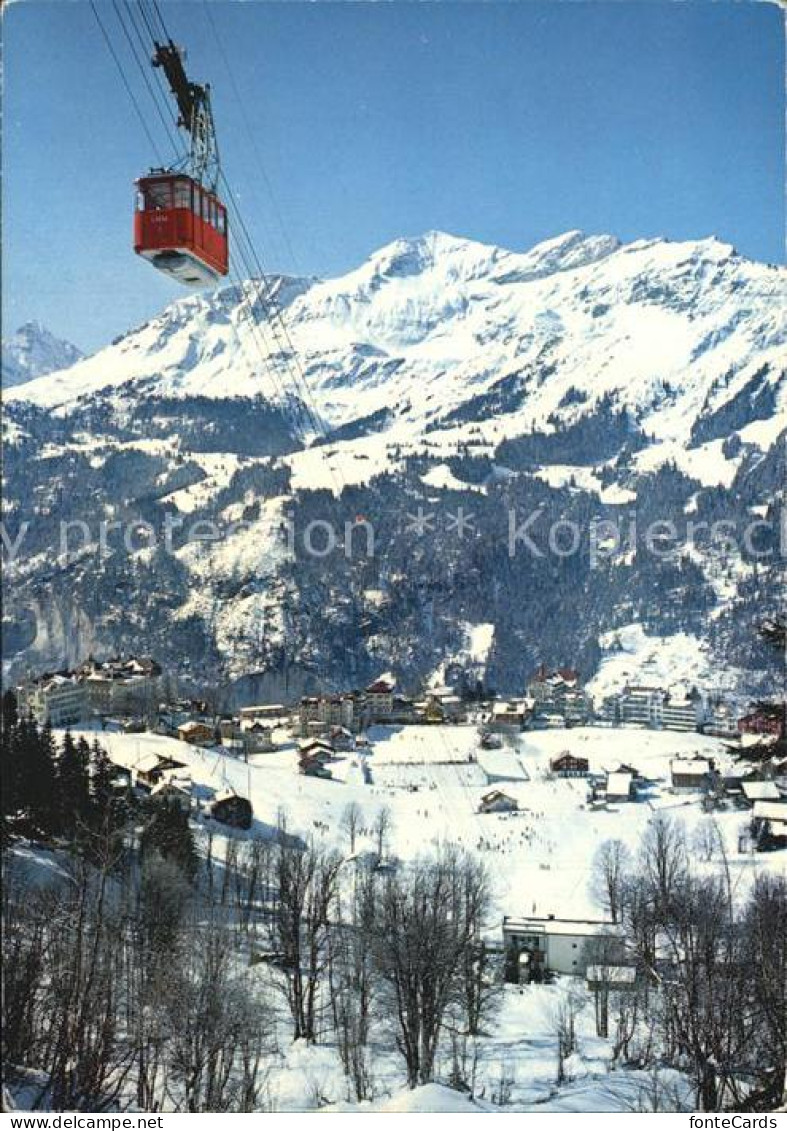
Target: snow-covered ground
(539, 859)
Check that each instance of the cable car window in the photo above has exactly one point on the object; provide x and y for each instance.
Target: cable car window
(213, 217)
(195, 205)
(182, 194)
(222, 221)
(157, 196)
(140, 200)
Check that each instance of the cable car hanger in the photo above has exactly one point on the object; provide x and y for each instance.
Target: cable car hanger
(195, 115)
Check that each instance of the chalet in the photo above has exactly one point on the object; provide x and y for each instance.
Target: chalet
(150, 769)
(258, 738)
(341, 739)
(754, 791)
(316, 748)
(769, 820)
(690, 773)
(231, 809)
(620, 786)
(557, 945)
(497, 802)
(313, 766)
(490, 741)
(147, 771)
(197, 733)
(567, 765)
(759, 722)
(508, 717)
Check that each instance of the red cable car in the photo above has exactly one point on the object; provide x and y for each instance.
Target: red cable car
(181, 228)
(180, 225)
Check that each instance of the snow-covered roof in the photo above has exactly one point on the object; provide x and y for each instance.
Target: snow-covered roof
(619, 784)
(694, 766)
(770, 810)
(760, 791)
(586, 928)
(147, 763)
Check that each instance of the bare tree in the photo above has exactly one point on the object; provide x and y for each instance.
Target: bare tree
(707, 839)
(383, 824)
(307, 885)
(611, 866)
(427, 922)
(352, 815)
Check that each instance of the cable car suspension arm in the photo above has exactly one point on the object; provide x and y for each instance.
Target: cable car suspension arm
(195, 115)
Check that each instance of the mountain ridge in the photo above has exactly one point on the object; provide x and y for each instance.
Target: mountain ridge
(584, 376)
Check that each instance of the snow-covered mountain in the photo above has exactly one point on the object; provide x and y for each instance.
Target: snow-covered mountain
(34, 351)
(584, 375)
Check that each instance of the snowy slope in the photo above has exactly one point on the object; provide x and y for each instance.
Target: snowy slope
(583, 375)
(437, 324)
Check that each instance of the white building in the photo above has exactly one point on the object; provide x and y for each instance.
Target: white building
(680, 714)
(559, 945)
(59, 700)
(641, 706)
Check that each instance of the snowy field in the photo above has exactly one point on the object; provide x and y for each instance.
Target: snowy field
(540, 858)
(540, 861)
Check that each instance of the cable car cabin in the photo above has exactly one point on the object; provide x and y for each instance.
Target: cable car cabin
(181, 228)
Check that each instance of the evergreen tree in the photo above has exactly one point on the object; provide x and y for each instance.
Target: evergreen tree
(168, 834)
(73, 785)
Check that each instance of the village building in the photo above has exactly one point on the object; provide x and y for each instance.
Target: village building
(313, 759)
(720, 720)
(490, 740)
(197, 733)
(151, 768)
(379, 700)
(341, 739)
(257, 737)
(56, 699)
(641, 706)
(264, 712)
(122, 685)
(760, 723)
(497, 802)
(620, 786)
(754, 791)
(559, 946)
(558, 694)
(231, 809)
(508, 716)
(567, 765)
(690, 773)
(769, 823)
(317, 713)
(682, 713)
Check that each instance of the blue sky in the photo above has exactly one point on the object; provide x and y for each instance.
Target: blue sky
(505, 122)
